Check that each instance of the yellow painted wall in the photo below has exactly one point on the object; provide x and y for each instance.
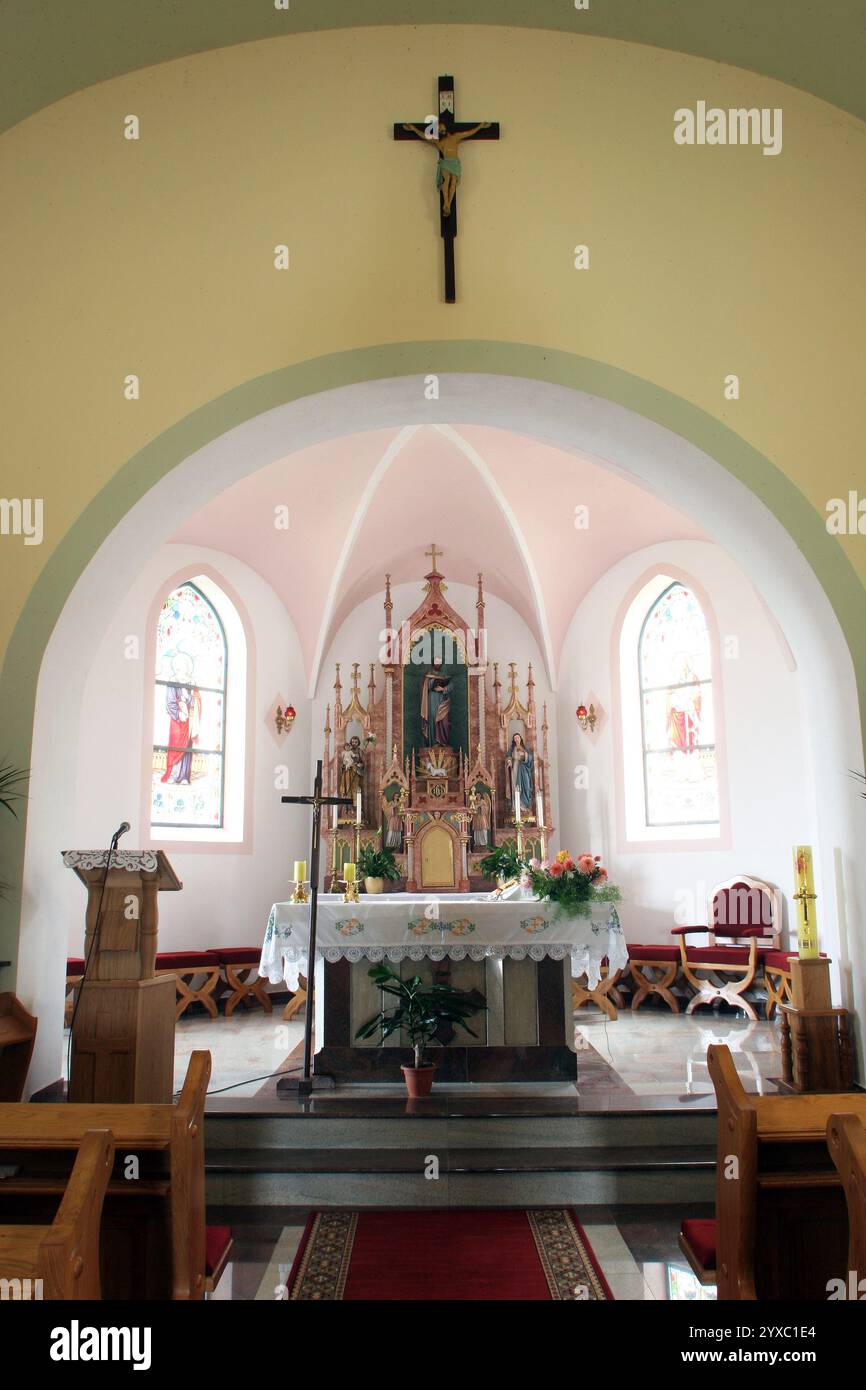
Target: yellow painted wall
(155, 256)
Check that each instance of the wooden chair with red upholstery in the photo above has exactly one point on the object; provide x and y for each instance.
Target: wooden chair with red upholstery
(745, 917)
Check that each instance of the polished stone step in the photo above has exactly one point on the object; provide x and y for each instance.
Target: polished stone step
(482, 1160)
(648, 1131)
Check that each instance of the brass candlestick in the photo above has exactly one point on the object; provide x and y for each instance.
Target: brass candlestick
(300, 894)
(350, 894)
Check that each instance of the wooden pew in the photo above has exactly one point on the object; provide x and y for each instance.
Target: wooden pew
(781, 1218)
(846, 1140)
(63, 1257)
(153, 1242)
(17, 1036)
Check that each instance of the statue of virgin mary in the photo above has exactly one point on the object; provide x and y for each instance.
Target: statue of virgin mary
(520, 773)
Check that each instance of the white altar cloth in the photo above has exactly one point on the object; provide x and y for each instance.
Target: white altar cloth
(401, 926)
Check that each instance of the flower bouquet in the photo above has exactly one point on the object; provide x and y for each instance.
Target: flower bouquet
(575, 885)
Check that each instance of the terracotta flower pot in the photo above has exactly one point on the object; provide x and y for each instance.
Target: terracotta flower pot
(374, 885)
(418, 1080)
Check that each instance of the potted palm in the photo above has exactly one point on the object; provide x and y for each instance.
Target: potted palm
(421, 1009)
(12, 780)
(375, 866)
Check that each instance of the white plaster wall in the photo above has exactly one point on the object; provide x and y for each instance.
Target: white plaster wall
(227, 890)
(771, 798)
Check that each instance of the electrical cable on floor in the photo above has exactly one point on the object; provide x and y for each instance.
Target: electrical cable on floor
(248, 1081)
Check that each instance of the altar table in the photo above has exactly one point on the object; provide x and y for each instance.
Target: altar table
(520, 953)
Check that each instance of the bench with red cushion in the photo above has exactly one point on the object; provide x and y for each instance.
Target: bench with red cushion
(654, 957)
(698, 1244)
(189, 966)
(240, 964)
(217, 1248)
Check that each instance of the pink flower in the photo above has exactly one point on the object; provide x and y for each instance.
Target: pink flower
(557, 869)
(568, 864)
(601, 876)
(535, 863)
(586, 863)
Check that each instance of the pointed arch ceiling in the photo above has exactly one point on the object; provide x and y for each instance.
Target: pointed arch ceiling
(495, 501)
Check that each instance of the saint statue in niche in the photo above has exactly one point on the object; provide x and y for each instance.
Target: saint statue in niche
(394, 821)
(183, 703)
(520, 774)
(436, 709)
(352, 769)
(480, 807)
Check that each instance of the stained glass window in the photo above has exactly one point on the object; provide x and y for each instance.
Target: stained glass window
(188, 783)
(679, 749)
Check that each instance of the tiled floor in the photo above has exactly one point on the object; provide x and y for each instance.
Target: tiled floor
(651, 1053)
(636, 1248)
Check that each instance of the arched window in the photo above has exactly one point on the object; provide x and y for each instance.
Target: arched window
(669, 740)
(198, 715)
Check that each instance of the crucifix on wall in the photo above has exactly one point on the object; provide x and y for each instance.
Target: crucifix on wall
(446, 134)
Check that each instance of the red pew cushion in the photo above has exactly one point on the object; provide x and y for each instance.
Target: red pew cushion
(700, 1235)
(217, 1241)
(781, 960)
(237, 955)
(718, 955)
(75, 965)
(650, 953)
(186, 960)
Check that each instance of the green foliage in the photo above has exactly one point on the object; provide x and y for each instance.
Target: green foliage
(574, 890)
(502, 862)
(420, 1009)
(377, 863)
(12, 781)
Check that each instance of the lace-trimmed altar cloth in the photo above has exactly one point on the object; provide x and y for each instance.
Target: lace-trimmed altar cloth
(402, 926)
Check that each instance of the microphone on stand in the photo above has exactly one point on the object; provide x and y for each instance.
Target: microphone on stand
(121, 830)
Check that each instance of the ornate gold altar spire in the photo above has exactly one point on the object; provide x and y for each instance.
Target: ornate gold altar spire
(371, 687)
(338, 698)
(356, 682)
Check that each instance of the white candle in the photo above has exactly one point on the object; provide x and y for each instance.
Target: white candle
(539, 809)
(336, 814)
(358, 808)
(517, 804)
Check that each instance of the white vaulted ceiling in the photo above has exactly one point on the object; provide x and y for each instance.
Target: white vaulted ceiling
(495, 501)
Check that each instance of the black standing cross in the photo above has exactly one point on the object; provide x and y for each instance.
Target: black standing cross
(317, 801)
(429, 131)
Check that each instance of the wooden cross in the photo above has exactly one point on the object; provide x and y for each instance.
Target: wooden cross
(452, 132)
(317, 801)
(433, 552)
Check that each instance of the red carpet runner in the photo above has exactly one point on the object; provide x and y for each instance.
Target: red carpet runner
(452, 1254)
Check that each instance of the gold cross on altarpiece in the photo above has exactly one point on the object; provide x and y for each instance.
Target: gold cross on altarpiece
(317, 801)
(448, 134)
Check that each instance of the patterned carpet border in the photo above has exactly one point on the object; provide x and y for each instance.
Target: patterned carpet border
(567, 1259)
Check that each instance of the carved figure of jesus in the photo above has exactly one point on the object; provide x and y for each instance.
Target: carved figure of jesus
(449, 167)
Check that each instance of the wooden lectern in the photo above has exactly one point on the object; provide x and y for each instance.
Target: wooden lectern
(123, 1034)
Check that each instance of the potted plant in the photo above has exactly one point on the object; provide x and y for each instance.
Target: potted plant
(575, 885)
(376, 865)
(421, 1009)
(503, 863)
